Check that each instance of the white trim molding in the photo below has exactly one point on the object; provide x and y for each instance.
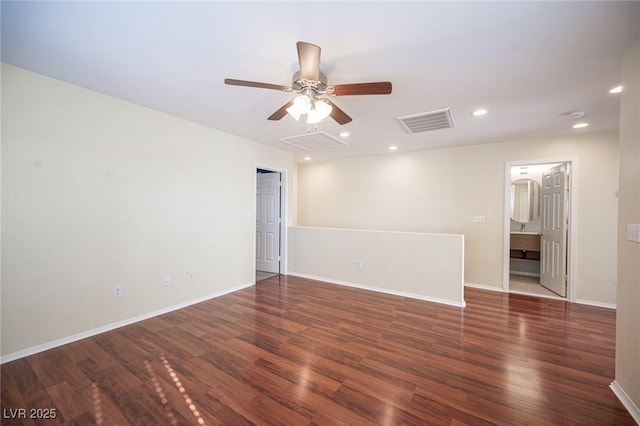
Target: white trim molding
(631, 407)
(596, 303)
(579, 301)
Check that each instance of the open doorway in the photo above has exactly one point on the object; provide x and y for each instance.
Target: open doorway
(269, 232)
(539, 222)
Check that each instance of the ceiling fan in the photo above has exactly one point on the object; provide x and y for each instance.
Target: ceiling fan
(310, 83)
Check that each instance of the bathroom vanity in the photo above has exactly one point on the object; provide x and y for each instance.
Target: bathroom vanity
(525, 241)
(525, 246)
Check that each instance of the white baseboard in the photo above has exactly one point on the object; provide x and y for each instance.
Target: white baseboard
(581, 301)
(484, 287)
(631, 407)
(98, 330)
(381, 290)
(595, 303)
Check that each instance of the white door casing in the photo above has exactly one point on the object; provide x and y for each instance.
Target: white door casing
(268, 222)
(553, 242)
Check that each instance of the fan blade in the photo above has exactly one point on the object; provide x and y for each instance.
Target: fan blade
(309, 59)
(245, 83)
(378, 88)
(337, 114)
(281, 112)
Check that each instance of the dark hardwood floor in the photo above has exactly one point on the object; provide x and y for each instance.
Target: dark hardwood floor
(295, 351)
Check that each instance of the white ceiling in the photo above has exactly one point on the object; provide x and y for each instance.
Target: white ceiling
(528, 63)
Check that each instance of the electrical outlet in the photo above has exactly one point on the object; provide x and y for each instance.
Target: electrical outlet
(167, 280)
(189, 276)
(359, 264)
(633, 232)
(117, 291)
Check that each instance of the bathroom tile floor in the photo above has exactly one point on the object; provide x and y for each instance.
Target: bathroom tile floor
(529, 285)
(262, 275)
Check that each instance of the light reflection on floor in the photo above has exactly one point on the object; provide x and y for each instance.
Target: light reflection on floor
(97, 405)
(181, 389)
(160, 392)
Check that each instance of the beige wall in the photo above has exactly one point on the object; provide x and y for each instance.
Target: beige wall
(97, 193)
(441, 190)
(628, 314)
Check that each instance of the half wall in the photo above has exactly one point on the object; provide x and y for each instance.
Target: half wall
(417, 265)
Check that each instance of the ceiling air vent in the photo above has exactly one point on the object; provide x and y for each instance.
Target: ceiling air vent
(314, 141)
(426, 121)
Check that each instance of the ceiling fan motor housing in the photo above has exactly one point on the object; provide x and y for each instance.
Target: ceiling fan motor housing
(299, 84)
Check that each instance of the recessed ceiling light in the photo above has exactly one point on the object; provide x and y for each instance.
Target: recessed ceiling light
(617, 89)
(307, 158)
(344, 134)
(480, 112)
(580, 125)
(393, 148)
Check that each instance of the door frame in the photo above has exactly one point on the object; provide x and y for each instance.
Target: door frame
(284, 191)
(572, 238)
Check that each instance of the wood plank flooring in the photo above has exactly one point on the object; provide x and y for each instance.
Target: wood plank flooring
(292, 351)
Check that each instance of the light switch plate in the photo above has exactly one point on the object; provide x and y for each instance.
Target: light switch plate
(479, 219)
(633, 232)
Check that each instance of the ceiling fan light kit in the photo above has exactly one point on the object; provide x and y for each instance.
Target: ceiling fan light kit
(319, 111)
(301, 105)
(316, 110)
(309, 83)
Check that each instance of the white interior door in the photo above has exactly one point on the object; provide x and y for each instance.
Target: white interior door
(553, 267)
(268, 222)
